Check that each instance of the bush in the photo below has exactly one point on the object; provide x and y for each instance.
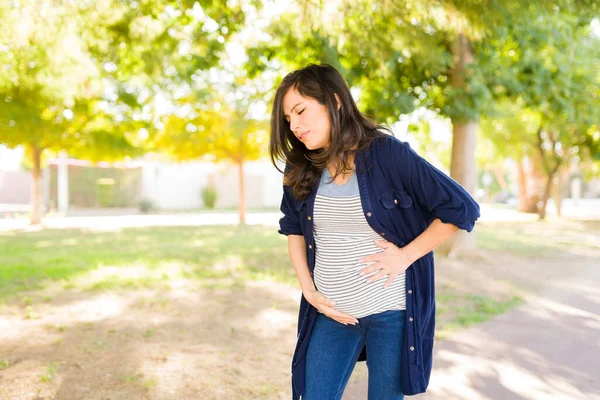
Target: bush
(146, 205)
(83, 186)
(105, 188)
(209, 196)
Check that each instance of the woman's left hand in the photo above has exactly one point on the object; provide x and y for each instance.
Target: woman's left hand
(390, 262)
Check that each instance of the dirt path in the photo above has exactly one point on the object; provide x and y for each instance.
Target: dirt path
(189, 343)
(546, 349)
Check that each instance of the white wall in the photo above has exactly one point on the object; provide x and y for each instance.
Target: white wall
(271, 182)
(178, 185)
(174, 186)
(10, 159)
(593, 188)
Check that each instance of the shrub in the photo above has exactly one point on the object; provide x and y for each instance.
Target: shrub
(105, 188)
(209, 196)
(146, 205)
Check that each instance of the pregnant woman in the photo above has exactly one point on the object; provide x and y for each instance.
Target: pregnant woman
(363, 213)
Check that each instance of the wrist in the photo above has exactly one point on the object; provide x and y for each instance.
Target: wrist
(410, 254)
(309, 291)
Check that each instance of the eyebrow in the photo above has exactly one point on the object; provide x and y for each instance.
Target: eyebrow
(285, 115)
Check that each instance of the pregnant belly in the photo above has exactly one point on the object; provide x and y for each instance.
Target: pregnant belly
(353, 294)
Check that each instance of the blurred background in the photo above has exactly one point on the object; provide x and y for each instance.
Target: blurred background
(138, 206)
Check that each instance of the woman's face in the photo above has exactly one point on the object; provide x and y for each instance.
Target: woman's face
(308, 119)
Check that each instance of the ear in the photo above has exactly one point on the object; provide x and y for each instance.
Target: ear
(337, 99)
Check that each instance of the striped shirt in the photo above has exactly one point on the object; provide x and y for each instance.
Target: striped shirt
(342, 237)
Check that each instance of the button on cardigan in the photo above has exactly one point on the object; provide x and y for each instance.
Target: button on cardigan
(401, 194)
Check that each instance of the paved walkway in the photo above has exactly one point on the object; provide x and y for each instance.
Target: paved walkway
(109, 218)
(133, 220)
(546, 349)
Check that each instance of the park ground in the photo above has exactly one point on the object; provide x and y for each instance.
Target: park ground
(111, 311)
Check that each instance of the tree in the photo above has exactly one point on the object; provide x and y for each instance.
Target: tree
(217, 120)
(555, 61)
(511, 133)
(83, 76)
(164, 50)
(46, 77)
(405, 55)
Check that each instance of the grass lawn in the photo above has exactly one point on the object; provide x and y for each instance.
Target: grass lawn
(223, 256)
(140, 257)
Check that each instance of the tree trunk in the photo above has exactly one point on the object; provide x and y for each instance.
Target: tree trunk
(462, 170)
(242, 199)
(528, 199)
(35, 216)
(547, 189)
(550, 170)
(561, 188)
(462, 167)
(557, 199)
(62, 178)
(522, 185)
(498, 172)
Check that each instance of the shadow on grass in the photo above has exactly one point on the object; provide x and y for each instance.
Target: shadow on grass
(539, 238)
(139, 257)
(457, 310)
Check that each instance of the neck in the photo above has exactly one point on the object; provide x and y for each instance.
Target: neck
(333, 166)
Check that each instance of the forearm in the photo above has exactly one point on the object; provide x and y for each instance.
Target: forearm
(436, 234)
(297, 251)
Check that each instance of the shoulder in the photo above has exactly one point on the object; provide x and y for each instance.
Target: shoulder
(389, 142)
(389, 147)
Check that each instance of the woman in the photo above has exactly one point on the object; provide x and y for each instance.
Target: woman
(362, 212)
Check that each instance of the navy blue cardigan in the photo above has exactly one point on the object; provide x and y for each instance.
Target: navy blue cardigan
(401, 194)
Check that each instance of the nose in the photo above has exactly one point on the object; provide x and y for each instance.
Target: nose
(294, 124)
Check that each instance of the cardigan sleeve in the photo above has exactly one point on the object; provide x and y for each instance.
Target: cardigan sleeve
(441, 195)
(289, 224)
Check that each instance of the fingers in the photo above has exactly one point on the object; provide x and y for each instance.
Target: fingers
(375, 257)
(370, 258)
(329, 303)
(389, 281)
(340, 317)
(370, 268)
(318, 298)
(384, 244)
(326, 306)
(381, 274)
(343, 315)
(326, 302)
(344, 321)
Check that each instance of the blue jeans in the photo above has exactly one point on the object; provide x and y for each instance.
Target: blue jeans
(334, 349)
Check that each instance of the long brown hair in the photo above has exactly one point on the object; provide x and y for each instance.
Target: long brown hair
(351, 131)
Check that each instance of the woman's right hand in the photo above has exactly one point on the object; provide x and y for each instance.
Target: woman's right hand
(327, 307)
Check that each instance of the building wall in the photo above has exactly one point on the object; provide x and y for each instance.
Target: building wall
(179, 185)
(593, 188)
(15, 187)
(169, 185)
(174, 185)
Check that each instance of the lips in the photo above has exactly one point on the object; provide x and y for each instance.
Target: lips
(303, 135)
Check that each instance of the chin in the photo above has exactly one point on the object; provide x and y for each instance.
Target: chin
(314, 147)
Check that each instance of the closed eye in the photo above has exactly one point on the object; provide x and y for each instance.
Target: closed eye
(299, 112)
